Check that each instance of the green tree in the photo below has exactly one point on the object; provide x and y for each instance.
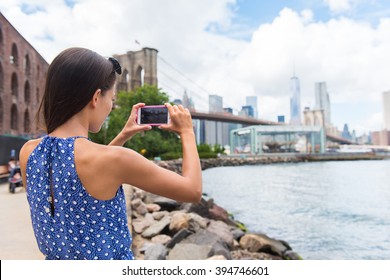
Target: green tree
(151, 143)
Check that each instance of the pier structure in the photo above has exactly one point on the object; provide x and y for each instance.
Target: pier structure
(260, 139)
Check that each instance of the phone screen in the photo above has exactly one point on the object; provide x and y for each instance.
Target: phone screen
(154, 115)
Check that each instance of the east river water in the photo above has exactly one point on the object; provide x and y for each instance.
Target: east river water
(336, 210)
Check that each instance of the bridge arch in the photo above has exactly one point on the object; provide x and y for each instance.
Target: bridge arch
(140, 67)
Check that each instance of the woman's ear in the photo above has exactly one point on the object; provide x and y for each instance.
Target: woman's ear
(95, 97)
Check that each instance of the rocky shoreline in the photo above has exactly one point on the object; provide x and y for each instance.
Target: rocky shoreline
(164, 229)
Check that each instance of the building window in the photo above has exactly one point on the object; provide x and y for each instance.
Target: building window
(1, 40)
(14, 58)
(27, 98)
(37, 95)
(14, 85)
(1, 78)
(26, 122)
(14, 117)
(1, 115)
(27, 65)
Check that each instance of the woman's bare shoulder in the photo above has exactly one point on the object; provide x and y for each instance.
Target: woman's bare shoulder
(24, 154)
(28, 147)
(94, 153)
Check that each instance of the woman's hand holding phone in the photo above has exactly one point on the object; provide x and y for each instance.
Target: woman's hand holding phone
(131, 127)
(154, 115)
(181, 121)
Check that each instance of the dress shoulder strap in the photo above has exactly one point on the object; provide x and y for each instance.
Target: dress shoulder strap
(76, 137)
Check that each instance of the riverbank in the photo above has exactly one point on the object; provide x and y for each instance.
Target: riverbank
(239, 160)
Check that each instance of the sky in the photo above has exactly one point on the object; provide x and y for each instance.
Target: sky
(234, 48)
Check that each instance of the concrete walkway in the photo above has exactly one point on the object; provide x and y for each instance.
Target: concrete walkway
(17, 240)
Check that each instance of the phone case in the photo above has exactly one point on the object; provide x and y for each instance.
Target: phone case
(151, 124)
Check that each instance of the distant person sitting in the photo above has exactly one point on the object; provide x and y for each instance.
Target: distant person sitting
(12, 163)
(14, 169)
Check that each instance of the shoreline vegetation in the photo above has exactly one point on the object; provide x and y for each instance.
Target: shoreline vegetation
(166, 229)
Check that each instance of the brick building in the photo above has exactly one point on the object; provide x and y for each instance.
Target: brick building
(22, 81)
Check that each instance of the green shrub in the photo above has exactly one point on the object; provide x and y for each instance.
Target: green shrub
(204, 148)
(206, 155)
(171, 155)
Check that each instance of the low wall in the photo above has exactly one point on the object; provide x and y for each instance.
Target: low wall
(7, 144)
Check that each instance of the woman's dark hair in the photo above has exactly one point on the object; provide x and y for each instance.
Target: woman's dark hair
(72, 79)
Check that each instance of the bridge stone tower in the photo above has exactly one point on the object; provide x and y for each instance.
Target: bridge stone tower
(138, 68)
(314, 117)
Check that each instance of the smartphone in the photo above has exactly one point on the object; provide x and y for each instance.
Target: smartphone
(153, 115)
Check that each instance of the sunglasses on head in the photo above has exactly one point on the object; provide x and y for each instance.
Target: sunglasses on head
(116, 66)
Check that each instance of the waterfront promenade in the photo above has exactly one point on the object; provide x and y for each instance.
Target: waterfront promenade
(17, 240)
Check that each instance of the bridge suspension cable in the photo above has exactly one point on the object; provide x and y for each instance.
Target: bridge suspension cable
(192, 93)
(182, 74)
(181, 84)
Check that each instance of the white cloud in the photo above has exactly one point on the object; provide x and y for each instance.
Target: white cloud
(338, 5)
(352, 57)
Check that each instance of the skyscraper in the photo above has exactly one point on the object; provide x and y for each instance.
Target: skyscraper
(215, 104)
(247, 111)
(386, 109)
(322, 100)
(295, 101)
(345, 133)
(187, 102)
(252, 101)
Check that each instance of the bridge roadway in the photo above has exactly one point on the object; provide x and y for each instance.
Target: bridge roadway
(229, 118)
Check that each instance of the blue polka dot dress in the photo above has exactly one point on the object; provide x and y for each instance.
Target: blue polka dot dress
(68, 222)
